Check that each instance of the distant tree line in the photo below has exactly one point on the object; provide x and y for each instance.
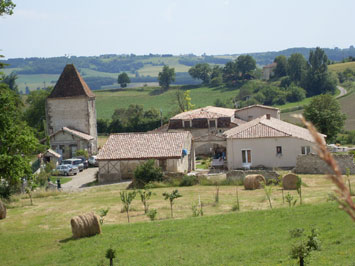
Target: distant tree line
(119, 63)
(312, 75)
(131, 119)
(294, 78)
(193, 60)
(346, 75)
(241, 69)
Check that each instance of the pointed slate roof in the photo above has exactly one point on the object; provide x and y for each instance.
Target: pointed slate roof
(71, 84)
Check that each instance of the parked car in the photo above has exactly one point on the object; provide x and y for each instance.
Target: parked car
(83, 160)
(74, 162)
(93, 161)
(67, 169)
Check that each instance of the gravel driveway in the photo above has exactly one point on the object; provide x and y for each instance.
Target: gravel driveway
(81, 179)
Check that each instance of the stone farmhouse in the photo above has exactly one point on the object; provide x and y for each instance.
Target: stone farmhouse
(267, 142)
(268, 71)
(123, 152)
(205, 125)
(208, 124)
(71, 115)
(252, 136)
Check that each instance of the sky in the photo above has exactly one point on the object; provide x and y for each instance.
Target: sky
(47, 28)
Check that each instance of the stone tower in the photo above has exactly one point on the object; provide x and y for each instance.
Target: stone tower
(71, 108)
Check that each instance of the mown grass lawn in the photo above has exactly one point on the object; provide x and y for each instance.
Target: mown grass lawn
(40, 234)
(63, 180)
(250, 238)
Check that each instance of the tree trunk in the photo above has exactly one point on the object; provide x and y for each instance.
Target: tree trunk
(301, 261)
(111, 261)
(269, 201)
(145, 207)
(127, 215)
(171, 209)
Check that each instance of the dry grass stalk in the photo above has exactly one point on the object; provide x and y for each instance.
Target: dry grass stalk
(344, 196)
(85, 225)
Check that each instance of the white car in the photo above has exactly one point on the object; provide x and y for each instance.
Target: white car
(67, 169)
(74, 162)
(93, 160)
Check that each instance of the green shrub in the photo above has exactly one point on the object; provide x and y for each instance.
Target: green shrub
(235, 207)
(197, 209)
(297, 232)
(5, 190)
(82, 153)
(151, 185)
(152, 213)
(145, 173)
(188, 181)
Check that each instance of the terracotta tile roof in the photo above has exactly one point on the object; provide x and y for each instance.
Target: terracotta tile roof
(268, 128)
(71, 84)
(55, 154)
(206, 112)
(257, 105)
(132, 146)
(74, 133)
(237, 121)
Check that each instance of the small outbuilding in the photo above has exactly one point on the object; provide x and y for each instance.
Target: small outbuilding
(50, 156)
(123, 152)
(67, 141)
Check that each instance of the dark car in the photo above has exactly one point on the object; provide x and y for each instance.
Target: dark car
(83, 160)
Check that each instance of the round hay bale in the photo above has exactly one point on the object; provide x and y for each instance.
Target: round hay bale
(252, 182)
(85, 225)
(2, 211)
(289, 182)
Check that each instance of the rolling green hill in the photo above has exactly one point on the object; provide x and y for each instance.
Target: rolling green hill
(108, 100)
(255, 235)
(342, 66)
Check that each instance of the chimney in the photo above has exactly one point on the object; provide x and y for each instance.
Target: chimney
(268, 116)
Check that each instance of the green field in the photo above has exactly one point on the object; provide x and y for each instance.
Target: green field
(41, 234)
(108, 101)
(34, 81)
(63, 180)
(342, 66)
(348, 107)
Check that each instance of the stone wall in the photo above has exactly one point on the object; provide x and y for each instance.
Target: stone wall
(78, 113)
(241, 174)
(312, 164)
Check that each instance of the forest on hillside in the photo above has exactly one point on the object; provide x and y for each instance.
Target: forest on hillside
(111, 63)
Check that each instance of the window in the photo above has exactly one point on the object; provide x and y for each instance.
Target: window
(278, 150)
(212, 123)
(305, 150)
(187, 123)
(246, 156)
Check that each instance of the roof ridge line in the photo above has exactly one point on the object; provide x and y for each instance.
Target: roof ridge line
(262, 122)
